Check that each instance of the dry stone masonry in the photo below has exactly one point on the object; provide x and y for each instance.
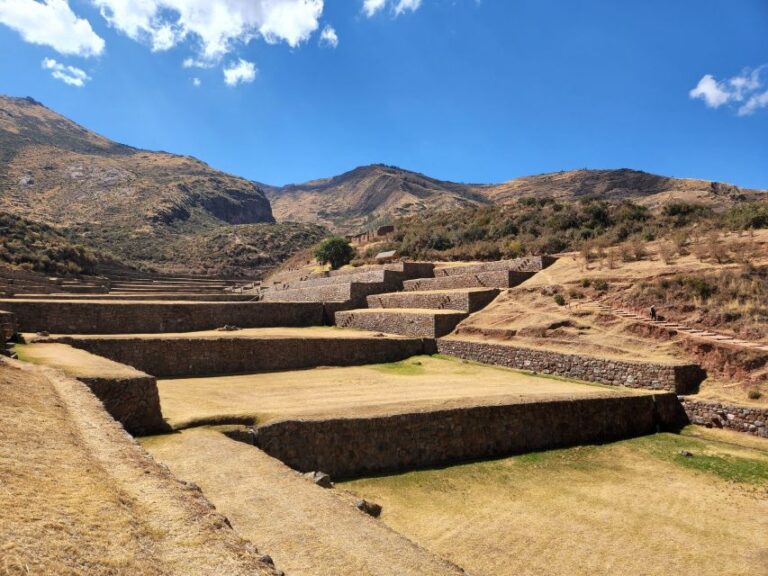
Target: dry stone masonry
(752, 420)
(348, 447)
(679, 378)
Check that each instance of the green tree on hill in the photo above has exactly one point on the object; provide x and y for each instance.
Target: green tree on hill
(334, 250)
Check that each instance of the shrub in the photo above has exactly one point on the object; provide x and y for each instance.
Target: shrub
(335, 251)
(754, 394)
(559, 299)
(601, 285)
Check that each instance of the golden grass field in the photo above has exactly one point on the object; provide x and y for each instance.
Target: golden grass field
(77, 496)
(632, 507)
(419, 383)
(308, 530)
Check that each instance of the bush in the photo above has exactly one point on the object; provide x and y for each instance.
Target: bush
(601, 285)
(335, 251)
(754, 394)
(559, 299)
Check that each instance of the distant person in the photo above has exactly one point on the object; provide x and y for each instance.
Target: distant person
(653, 313)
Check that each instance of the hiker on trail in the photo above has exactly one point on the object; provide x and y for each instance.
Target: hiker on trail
(653, 313)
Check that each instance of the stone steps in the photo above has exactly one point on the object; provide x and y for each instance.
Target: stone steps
(466, 300)
(417, 322)
(497, 279)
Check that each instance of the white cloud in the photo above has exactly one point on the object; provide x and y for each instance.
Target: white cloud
(196, 82)
(328, 37)
(217, 25)
(744, 90)
(371, 7)
(403, 5)
(239, 72)
(714, 93)
(67, 74)
(754, 103)
(51, 23)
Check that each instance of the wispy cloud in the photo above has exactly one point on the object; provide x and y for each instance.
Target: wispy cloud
(67, 74)
(746, 92)
(328, 37)
(51, 23)
(240, 72)
(371, 7)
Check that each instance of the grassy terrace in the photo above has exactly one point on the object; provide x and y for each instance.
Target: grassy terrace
(638, 506)
(420, 383)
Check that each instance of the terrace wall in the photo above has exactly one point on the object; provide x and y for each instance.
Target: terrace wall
(7, 326)
(351, 447)
(752, 420)
(77, 317)
(132, 401)
(189, 357)
(679, 378)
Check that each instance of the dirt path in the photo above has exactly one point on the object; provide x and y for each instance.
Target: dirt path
(308, 530)
(79, 496)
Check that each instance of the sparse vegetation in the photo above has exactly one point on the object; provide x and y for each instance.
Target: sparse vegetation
(335, 251)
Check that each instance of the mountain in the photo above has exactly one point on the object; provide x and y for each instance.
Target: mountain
(371, 195)
(136, 203)
(644, 188)
(368, 195)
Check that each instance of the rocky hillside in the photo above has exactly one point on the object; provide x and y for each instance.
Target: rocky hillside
(368, 195)
(136, 202)
(623, 184)
(371, 195)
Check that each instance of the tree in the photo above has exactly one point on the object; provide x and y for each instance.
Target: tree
(335, 250)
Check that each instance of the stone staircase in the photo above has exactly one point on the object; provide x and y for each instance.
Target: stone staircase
(429, 314)
(714, 337)
(432, 307)
(347, 288)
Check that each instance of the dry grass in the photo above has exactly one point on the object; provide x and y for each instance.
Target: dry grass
(419, 383)
(74, 362)
(79, 497)
(308, 531)
(633, 507)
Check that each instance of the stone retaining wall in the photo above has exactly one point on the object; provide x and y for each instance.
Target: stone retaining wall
(76, 317)
(467, 301)
(7, 326)
(526, 264)
(352, 292)
(132, 401)
(391, 278)
(408, 269)
(500, 279)
(351, 447)
(401, 321)
(751, 420)
(679, 378)
(189, 357)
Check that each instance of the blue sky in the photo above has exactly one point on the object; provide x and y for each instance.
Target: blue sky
(465, 90)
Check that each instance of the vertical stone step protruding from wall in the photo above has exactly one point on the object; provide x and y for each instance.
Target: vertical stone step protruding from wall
(417, 322)
(464, 300)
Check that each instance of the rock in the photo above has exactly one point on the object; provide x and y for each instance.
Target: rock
(43, 333)
(228, 328)
(267, 559)
(320, 478)
(370, 508)
(685, 454)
